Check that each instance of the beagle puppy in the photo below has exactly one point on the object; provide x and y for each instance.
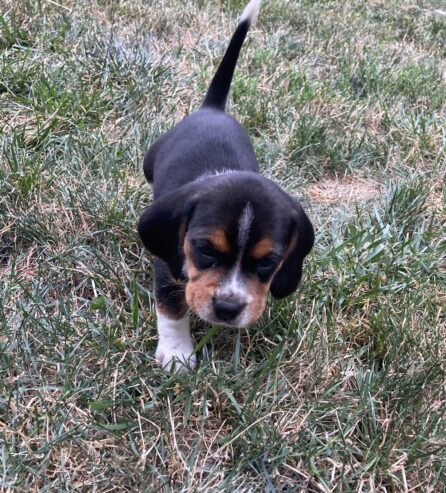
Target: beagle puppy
(223, 235)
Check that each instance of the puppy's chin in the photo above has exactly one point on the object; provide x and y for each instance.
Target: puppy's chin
(234, 324)
(241, 322)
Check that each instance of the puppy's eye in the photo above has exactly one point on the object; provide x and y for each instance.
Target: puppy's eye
(206, 256)
(206, 249)
(266, 266)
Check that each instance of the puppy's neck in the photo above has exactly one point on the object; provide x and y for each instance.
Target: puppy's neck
(210, 174)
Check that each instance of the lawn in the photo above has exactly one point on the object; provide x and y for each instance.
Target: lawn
(340, 387)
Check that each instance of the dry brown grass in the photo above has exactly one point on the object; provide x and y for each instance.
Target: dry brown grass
(346, 191)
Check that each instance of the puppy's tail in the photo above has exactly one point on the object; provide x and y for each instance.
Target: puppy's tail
(219, 89)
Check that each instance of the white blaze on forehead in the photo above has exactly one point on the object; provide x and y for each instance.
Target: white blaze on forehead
(234, 285)
(244, 225)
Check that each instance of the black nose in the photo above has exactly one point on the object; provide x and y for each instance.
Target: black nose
(227, 310)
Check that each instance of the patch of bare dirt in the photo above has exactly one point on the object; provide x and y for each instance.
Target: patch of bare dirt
(332, 190)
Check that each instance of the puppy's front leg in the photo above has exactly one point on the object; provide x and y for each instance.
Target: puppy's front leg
(175, 344)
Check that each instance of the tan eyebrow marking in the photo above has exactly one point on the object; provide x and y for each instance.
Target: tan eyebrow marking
(262, 248)
(220, 241)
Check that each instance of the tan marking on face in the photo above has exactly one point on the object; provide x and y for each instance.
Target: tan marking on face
(201, 286)
(220, 241)
(259, 291)
(262, 248)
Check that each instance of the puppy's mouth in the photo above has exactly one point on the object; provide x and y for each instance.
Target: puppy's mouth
(235, 324)
(242, 321)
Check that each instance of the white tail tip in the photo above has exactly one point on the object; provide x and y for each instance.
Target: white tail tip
(251, 11)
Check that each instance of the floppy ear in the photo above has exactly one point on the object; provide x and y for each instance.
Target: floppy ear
(300, 243)
(163, 225)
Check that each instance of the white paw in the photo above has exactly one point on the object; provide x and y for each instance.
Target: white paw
(175, 346)
(176, 357)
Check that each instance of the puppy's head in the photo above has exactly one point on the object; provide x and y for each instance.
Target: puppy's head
(234, 238)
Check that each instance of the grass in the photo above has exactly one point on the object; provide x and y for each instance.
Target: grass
(340, 387)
